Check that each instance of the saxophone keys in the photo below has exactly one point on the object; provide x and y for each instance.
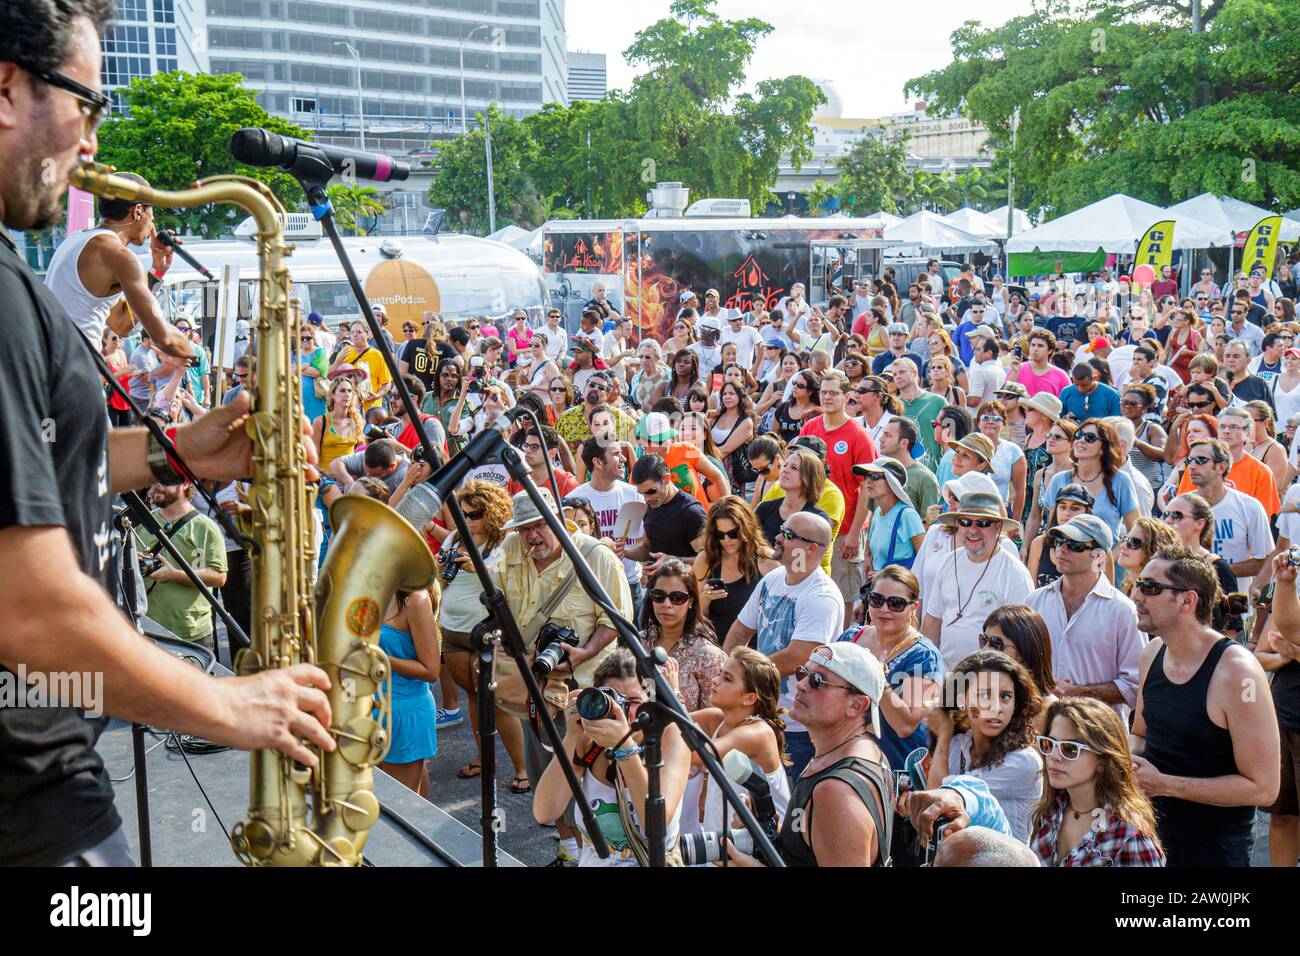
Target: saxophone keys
(362, 742)
(360, 810)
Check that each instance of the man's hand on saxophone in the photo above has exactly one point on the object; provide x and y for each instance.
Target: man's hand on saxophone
(277, 710)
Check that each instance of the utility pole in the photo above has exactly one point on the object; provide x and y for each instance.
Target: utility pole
(487, 146)
(361, 112)
(1011, 190)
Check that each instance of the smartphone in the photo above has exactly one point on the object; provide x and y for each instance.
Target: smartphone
(716, 583)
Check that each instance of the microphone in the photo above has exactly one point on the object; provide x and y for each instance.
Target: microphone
(254, 146)
(742, 771)
(480, 450)
(168, 239)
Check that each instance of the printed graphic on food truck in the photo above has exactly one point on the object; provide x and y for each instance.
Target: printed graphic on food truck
(584, 252)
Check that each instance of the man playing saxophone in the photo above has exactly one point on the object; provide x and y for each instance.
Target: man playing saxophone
(58, 468)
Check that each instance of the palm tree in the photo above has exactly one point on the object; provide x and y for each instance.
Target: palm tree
(352, 203)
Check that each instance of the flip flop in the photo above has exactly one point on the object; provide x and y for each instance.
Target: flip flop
(464, 772)
(515, 788)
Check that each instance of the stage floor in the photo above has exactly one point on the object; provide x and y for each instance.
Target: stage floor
(184, 832)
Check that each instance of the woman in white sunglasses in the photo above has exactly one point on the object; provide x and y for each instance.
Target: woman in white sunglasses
(1092, 812)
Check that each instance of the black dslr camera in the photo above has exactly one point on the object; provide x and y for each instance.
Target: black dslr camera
(551, 643)
(149, 563)
(449, 568)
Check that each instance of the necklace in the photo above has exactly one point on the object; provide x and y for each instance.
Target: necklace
(961, 605)
(1078, 814)
(910, 638)
(849, 740)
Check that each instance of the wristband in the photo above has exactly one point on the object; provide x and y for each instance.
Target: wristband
(161, 463)
(623, 753)
(589, 758)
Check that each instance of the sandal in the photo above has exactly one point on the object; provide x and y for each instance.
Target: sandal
(469, 771)
(516, 788)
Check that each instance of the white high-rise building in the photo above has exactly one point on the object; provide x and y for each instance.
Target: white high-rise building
(587, 79)
(152, 36)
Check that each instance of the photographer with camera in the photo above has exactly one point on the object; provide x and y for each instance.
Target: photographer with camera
(382, 459)
(566, 635)
(607, 759)
(174, 602)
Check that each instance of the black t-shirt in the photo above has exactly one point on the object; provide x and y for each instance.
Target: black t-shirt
(55, 798)
(1252, 388)
(770, 520)
(670, 528)
(421, 363)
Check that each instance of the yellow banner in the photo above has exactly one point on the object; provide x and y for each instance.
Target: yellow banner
(1156, 249)
(1261, 245)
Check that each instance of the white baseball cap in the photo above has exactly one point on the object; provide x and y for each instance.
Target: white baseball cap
(959, 488)
(858, 667)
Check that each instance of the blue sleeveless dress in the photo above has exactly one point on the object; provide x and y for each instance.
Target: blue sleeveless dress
(415, 715)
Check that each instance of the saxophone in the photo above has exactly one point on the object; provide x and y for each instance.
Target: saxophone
(373, 553)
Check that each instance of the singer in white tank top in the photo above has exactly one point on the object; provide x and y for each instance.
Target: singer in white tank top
(88, 311)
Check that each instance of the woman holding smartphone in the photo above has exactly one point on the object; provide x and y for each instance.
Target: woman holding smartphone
(734, 558)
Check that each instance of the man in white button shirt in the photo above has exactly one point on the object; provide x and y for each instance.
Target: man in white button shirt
(557, 340)
(1096, 645)
(985, 374)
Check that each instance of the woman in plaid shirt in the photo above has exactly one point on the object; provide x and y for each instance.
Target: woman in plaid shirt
(1092, 813)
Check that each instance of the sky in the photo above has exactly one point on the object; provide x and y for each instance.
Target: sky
(867, 48)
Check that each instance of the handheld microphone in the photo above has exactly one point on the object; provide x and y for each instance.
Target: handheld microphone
(168, 239)
(742, 771)
(254, 146)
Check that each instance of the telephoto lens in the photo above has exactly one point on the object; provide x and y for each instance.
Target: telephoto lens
(706, 847)
(595, 703)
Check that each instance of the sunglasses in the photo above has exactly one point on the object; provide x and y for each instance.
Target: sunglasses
(991, 418)
(978, 522)
(1070, 749)
(1200, 459)
(1199, 405)
(993, 642)
(793, 536)
(816, 681)
(474, 515)
(1135, 543)
(1078, 547)
(733, 534)
(675, 598)
(895, 603)
(1151, 588)
(1090, 437)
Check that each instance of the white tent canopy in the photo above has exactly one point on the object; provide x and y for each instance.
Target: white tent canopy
(927, 232)
(1229, 213)
(889, 219)
(517, 238)
(1019, 223)
(978, 223)
(1115, 224)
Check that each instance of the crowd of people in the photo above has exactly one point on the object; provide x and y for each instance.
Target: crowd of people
(1030, 540)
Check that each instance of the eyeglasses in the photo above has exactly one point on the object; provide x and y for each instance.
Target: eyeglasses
(817, 681)
(1078, 547)
(1070, 749)
(474, 515)
(598, 386)
(793, 536)
(1200, 459)
(1135, 543)
(992, 641)
(1151, 588)
(1090, 437)
(733, 534)
(93, 105)
(894, 603)
(991, 418)
(675, 598)
(1057, 436)
(978, 522)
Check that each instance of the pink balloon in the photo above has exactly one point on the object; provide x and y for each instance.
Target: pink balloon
(1144, 274)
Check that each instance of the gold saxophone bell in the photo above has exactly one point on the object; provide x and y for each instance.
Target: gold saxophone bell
(373, 554)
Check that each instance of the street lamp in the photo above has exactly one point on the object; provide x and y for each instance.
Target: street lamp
(1011, 179)
(487, 129)
(361, 113)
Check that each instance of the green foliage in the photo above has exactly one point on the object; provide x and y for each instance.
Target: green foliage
(681, 120)
(178, 130)
(352, 202)
(461, 183)
(1122, 97)
(874, 175)
(821, 193)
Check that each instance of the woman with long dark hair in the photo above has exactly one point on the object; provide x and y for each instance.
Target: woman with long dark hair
(787, 368)
(1092, 811)
(685, 375)
(735, 554)
(1020, 632)
(1097, 457)
(986, 729)
(804, 404)
(732, 430)
(559, 394)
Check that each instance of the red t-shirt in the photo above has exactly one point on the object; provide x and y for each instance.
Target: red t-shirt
(409, 439)
(1163, 287)
(846, 446)
(563, 479)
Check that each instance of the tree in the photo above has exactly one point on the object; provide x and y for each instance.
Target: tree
(1122, 96)
(873, 175)
(352, 202)
(178, 130)
(821, 193)
(461, 183)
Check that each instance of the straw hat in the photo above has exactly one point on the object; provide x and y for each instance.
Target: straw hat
(977, 444)
(525, 512)
(981, 505)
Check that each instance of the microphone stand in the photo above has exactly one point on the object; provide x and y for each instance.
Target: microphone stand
(313, 172)
(131, 598)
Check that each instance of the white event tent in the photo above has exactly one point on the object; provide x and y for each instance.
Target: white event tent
(978, 223)
(1114, 225)
(1229, 213)
(924, 232)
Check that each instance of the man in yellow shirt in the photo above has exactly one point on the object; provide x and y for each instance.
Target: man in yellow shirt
(361, 354)
(831, 500)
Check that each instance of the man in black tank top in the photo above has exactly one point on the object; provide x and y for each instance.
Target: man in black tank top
(1205, 735)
